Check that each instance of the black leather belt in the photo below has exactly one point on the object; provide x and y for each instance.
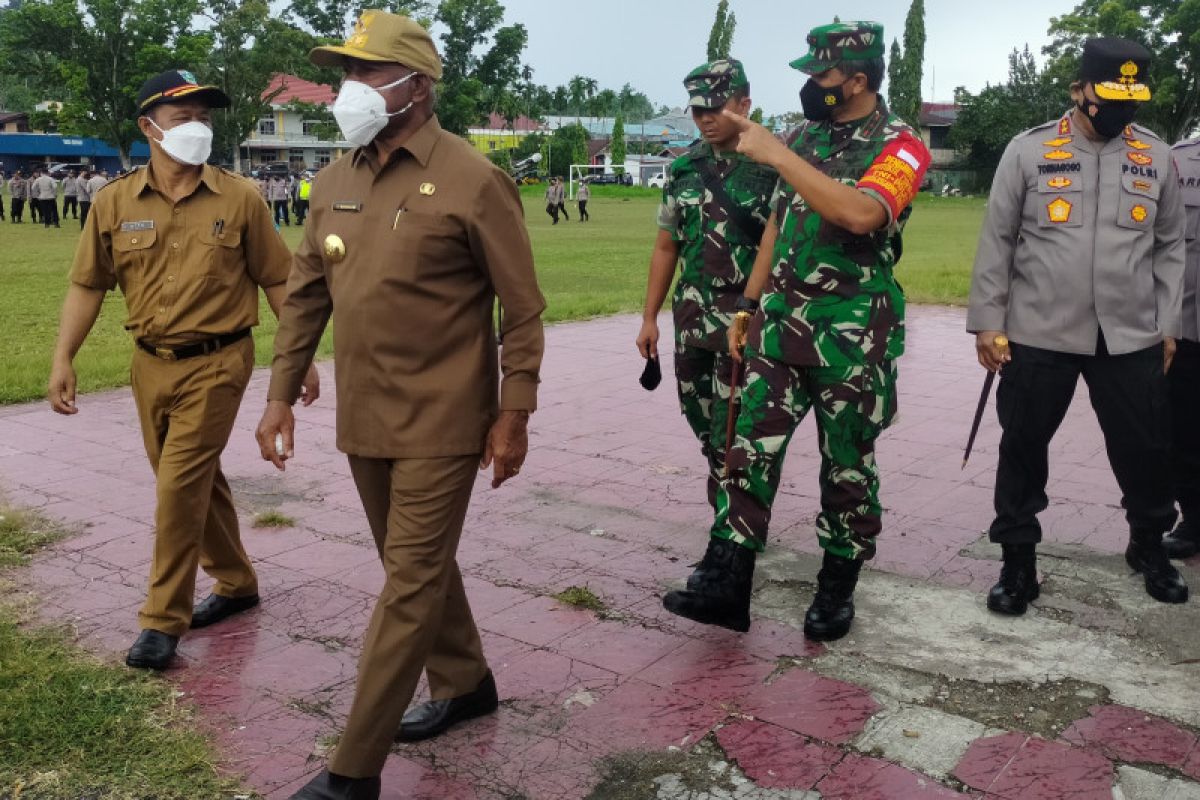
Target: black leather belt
(196, 349)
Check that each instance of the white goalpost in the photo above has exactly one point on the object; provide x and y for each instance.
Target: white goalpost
(578, 172)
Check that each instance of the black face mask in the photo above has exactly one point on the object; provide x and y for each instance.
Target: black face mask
(818, 102)
(1110, 118)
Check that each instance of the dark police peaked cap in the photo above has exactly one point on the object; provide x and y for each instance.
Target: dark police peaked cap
(174, 85)
(1116, 68)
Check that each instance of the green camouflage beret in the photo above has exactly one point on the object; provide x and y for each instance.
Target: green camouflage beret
(711, 85)
(828, 45)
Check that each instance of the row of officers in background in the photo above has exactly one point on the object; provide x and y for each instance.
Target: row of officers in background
(39, 193)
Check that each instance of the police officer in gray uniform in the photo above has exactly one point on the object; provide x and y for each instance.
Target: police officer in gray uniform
(1080, 265)
(1184, 377)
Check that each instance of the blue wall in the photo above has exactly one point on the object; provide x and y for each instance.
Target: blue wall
(24, 150)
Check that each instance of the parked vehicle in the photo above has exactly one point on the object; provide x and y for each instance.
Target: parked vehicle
(58, 171)
(611, 179)
(657, 181)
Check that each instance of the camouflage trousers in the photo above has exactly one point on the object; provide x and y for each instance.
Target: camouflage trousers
(702, 378)
(852, 405)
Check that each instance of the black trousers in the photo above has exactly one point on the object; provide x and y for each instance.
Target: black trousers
(583, 210)
(562, 209)
(48, 211)
(281, 211)
(18, 208)
(70, 203)
(35, 208)
(1130, 397)
(301, 209)
(552, 210)
(1184, 380)
(1, 208)
(84, 208)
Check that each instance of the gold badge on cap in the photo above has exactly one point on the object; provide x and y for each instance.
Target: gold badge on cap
(427, 189)
(335, 248)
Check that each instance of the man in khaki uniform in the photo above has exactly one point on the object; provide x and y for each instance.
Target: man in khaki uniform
(189, 245)
(413, 236)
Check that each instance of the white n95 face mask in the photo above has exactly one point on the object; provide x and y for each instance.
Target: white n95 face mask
(189, 143)
(361, 111)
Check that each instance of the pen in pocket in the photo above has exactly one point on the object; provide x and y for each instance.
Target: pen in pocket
(396, 221)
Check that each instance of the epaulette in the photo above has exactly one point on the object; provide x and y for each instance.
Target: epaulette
(1036, 128)
(117, 179)
(1146, 133)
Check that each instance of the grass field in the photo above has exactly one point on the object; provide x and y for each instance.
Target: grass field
(585, 269)
(72, 727)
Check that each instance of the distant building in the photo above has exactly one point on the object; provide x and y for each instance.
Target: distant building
(14, 122)
(285, 135)
(596, 127)
(500, 134)
(935, 122)
(27, 150)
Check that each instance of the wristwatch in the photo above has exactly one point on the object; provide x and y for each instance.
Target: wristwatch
(745, 304)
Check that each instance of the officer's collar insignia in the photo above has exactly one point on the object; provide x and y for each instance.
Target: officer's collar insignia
(1058, 183)
(1141, 159)
(427, 189)
(140, 225)
(1059, 142)
(348, 205)
(1058, 155)
(1060, 211)
(1138, 213)
(1064, 126)
(1137, 144)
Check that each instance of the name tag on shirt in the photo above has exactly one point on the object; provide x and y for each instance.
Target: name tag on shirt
(140, 225)
(347, 205)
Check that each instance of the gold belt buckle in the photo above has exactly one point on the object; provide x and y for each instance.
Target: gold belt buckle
(165, 353)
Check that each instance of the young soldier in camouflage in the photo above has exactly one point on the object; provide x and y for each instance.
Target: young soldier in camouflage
(713, 235)
(828, 331)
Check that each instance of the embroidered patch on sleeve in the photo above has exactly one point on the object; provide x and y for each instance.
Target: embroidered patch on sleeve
(897, 173)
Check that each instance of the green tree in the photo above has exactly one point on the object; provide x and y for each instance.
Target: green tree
(330, 19)
(1170, 29)
(99, 52)
(618, 144)
(895, 83)
(757, 115)
(988, 120)
(904, 79)
(720, 37)
(475, 76)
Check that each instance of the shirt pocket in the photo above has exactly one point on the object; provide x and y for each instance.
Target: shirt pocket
(1059, 199)
(220, 257)
(427, 244)
(1138, 206)
(132, 251)
(691, 213)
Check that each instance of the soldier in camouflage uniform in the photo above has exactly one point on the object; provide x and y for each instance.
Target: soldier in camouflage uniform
(714, 239)
(822, 323)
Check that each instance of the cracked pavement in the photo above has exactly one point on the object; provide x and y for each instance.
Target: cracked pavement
(1094, 694)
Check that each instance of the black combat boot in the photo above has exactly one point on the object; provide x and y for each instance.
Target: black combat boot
(718, 553)
(1018, 580)
(1183, 542)
(1147, 555)
(721, 596)
(832, 608)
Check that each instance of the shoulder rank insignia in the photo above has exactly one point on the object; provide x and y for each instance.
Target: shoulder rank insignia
(1060, 211)
(1064, 126)
(1058, 155)
(1138, 213)
(1138, 144)
(1141, 159)
(1059, 183)
(1059, 142)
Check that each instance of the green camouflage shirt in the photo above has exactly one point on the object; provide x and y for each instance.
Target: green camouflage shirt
(832, 299)
(715, 254)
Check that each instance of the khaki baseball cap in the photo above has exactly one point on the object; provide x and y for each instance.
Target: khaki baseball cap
(382, 36)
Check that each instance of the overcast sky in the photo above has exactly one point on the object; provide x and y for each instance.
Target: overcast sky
(652, 45)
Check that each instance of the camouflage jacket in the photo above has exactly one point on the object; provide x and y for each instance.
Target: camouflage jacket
(832, 299)
(715, 254)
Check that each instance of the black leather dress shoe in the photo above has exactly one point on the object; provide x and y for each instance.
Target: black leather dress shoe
(152, 650)
(430, 719)
(328, 786)
(215, 608)
(1183, 542)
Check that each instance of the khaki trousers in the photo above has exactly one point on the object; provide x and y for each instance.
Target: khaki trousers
(415, 508)
(187, 410)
